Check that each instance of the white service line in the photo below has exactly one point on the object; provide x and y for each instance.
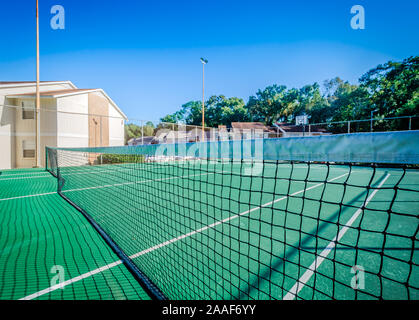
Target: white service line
(143, 181)
(24, 174)
(111, 185)
(28, 196)
(73, 280)
(28, 177)
(92, 169)
(163, 244)
(296, 288)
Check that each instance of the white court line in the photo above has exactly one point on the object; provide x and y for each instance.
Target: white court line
(73, 280)
(143, 181)
(48, 175)
(163, 244)
(29, 177)
(296, 288)
(110, 185)
(5, 174)
(82, 171)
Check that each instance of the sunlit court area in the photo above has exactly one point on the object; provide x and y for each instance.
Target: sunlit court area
(205, 159)
(164, 221)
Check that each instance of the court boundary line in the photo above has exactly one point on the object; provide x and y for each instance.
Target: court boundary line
(163, 244)
(28, 196)
(301, 282)
(29, 177)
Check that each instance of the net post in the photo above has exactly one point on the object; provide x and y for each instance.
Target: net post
(46, 158)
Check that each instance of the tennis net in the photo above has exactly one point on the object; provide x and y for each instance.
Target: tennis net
(256, 219)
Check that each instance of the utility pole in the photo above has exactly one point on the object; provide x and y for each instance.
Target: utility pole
(38, 96)
(204, 62)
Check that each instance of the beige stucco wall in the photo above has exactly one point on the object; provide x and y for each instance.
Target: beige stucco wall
(25, 130)
(72, 129)
(11, 133)
(7, 140)
(48, 118)
(116, 127)
(65, 124)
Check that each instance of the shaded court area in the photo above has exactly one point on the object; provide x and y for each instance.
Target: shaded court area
(297, 221)
(44, 241)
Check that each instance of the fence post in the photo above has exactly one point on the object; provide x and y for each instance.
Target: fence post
(309, 128)
(142, 132)
(349, 126)
(101, 131)
(410, 123)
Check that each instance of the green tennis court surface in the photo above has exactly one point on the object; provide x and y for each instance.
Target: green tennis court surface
(39, 230)
(220, 230)
(202, 228)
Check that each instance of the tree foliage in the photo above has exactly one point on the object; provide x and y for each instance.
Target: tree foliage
(389, 90)
(133, 130)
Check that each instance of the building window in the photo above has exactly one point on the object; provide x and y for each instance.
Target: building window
(28, 149)
(28, 113)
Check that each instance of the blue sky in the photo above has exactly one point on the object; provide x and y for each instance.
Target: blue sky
(145, 54)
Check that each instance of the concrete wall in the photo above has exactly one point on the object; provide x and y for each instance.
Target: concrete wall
(12, 134)
(65, 123)
(24, 131)
(48, 118)
(7, 139)
(73, 129)
(98, 120)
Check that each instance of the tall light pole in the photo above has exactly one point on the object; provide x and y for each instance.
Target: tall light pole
(204, 62)
(38, 97)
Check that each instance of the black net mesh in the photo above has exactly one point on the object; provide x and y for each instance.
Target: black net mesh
(200, 228)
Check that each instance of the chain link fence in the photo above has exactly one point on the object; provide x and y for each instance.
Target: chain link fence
(72, 129)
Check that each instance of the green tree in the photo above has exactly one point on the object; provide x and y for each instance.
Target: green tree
(268, 104)
(218, 110)
(148, 129)
(222, 110)
(391, 89)
(133, 130)
(307, 100)
(348, 102)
